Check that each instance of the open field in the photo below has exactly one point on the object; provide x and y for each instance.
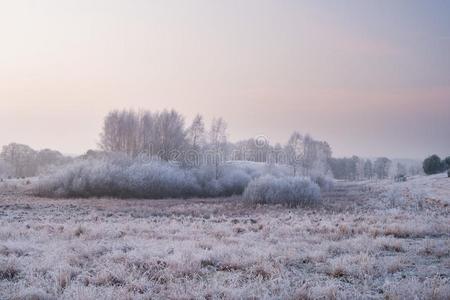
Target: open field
(367, 240)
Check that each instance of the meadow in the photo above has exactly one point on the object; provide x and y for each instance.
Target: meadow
(365, 240)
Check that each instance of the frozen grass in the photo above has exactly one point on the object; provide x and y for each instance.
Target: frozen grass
(289, 191)
(418, 190)
(355, 245)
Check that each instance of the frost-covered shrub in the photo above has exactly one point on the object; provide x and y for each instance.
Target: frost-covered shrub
(394, 197)
(400, 178)
(290, 191)
(325, 183)
(121, 177)
(234, 182)
(230, 182)
(118, 178)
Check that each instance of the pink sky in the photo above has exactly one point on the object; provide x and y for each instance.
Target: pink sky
(372, 79)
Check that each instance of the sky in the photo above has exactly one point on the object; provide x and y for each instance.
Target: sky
(370, 77)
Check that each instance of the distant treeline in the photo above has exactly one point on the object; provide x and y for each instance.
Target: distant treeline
(356, 168)
(166, 136)
(17, 160)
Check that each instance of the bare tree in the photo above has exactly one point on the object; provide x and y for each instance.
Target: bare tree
(171, 133)
(111, 138)
(196, 133)
(309, 154)
(218, 143)
(381, 167)
(277, 155)
(129, 133)
(147, 133)
(322, 156)
(295, 151)
(368, 169)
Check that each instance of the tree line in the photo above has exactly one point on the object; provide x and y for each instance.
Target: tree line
(164, 135)
(18, 160)
(357, 168)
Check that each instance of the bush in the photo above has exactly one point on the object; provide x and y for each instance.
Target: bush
(325, 183)
(447, 162)
(433, 165)
(290, 191)
(400, 178)
(119, 176)
(125, 178)
(98, 178)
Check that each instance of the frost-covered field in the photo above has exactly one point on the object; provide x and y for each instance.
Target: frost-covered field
(377, 240)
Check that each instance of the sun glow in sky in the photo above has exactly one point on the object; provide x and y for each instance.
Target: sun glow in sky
(370, 77)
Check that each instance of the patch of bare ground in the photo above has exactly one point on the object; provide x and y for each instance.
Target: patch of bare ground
(356, 244)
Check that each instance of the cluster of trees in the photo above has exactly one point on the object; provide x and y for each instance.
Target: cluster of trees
(17, 160)
(305, 155)
(165, 136)
(135, 133)
(434, 164)
(356, 168)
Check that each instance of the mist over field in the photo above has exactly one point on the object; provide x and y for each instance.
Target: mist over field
(224, 150)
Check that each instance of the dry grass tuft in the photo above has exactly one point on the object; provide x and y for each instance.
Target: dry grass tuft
(337, 270)
(8, 270)
(80, 230)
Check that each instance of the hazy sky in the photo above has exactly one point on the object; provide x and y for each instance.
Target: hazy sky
(370, 77)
